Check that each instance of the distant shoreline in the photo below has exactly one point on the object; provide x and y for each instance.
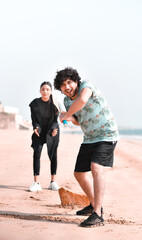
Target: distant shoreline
(132, 133)
(137, 132)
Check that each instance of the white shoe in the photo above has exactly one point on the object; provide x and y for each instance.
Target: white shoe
(35, 187)
(53, 186)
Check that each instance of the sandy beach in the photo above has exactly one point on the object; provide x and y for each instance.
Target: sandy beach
(26, 216)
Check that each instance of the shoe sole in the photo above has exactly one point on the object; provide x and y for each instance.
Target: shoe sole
(52, 189)
(35, 191)
(85, 214)
(91, 226)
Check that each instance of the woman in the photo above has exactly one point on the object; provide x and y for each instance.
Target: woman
(44, 116)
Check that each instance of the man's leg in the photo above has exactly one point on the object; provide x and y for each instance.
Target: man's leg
(96, 219)
(83, 179)
(98, 180)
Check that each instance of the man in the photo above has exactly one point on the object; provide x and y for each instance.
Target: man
(86, 106)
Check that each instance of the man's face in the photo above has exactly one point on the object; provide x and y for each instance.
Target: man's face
(69, 88)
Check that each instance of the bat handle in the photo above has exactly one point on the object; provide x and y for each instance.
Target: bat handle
(65, 122)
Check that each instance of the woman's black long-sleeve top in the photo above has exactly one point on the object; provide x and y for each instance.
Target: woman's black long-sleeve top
(44, 116)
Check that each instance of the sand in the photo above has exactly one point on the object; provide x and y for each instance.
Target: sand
(26, 215)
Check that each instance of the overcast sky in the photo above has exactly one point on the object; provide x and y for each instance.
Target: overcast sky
(101, 39)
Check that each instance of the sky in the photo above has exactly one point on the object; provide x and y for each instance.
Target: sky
(101, 39)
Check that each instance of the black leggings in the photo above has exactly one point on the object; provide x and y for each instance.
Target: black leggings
(52, 153)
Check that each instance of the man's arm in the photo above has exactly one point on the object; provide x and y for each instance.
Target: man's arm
(74, 120)
(78, 104)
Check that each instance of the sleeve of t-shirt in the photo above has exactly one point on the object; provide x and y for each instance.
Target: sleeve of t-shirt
(67, 106)
(87, 84)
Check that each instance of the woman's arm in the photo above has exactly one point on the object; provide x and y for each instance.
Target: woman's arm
(36, 126)
(54, 126)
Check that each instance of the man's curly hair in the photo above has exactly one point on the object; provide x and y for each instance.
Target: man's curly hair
(63, 75)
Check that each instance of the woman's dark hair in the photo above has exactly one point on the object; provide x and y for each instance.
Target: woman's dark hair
(46, 83)
(63, 75)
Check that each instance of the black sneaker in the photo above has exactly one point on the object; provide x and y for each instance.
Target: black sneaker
(93, 221)
(88, 211)
(85, 211)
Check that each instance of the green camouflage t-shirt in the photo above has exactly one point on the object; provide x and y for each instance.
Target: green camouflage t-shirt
(95, 118)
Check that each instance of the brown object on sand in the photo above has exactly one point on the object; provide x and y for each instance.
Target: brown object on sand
(69, 198)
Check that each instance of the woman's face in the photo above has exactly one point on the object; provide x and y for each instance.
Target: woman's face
(45, 92)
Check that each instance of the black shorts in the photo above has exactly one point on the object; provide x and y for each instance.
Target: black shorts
(100, 152)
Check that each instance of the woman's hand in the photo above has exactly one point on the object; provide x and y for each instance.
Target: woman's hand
(36, 131)
(54, 132)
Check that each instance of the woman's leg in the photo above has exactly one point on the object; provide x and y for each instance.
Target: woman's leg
(53, 178)
(36, 178)
(52, 145)
(52, 153)
(36, 162)
(36, 169)
(53, 163)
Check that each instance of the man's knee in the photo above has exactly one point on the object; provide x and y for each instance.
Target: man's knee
(79, 175)
(75, 174)
(96, 169)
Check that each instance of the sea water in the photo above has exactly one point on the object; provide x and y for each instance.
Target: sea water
(124, 133)
(131, 133)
